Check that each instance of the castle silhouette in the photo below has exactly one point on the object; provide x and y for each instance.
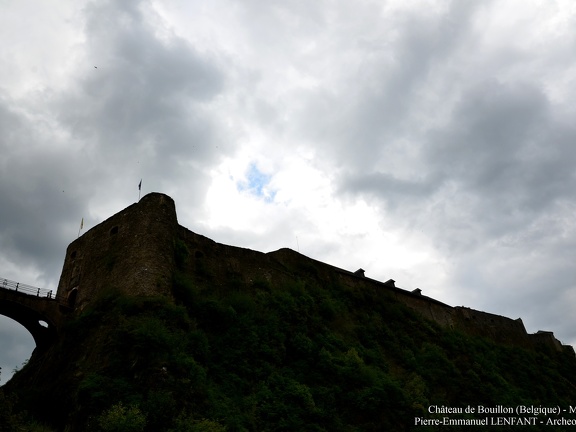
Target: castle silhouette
(133, 251)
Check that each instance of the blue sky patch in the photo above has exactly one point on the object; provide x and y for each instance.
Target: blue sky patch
(256, 183)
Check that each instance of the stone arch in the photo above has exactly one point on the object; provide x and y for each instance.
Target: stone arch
(31, 318)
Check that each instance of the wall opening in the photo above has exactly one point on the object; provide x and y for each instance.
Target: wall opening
(114, 230)
(43, 323)
(72, 297)
(73, 255)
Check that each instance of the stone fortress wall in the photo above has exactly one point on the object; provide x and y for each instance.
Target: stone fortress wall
(477, 323)
(134, 252)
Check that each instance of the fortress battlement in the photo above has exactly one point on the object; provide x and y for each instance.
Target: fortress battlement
(134, 251)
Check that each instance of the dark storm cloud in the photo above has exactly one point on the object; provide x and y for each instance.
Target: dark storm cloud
(147, 93)
(496, 139)
(499, 162)
(388, 70)
(34, 205)
(505, 152)
(390, 190)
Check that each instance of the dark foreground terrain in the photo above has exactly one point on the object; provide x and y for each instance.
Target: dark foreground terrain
(305, 354)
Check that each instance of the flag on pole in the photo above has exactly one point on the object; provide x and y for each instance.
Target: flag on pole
(82, 223)
(140, 185)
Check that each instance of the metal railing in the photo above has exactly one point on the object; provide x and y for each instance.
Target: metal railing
(26, 289)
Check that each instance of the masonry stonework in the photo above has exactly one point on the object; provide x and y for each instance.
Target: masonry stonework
(134, 252)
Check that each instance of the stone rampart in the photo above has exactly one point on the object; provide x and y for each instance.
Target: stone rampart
(221, 263)
(496, 327)
(137, 251)
(132, 251)
(547, 339)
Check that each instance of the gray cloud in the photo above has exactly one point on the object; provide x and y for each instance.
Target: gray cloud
(146, 94)
(34, 206)
(389, 68)
(502, 150)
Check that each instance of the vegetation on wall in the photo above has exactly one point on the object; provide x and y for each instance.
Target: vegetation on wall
(255, 357)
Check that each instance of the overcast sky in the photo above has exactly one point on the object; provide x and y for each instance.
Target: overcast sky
(431, 142)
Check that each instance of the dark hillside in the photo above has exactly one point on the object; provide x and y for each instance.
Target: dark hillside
(303, 354)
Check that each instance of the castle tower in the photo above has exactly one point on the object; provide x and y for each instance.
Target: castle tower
(132, 252)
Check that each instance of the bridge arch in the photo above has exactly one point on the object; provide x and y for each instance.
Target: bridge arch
(40, 315)
(31, 320)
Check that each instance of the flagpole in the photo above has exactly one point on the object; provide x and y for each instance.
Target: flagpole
(139, 189)
(81, 226)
